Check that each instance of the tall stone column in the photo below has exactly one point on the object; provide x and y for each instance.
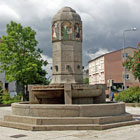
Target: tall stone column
(67, 47)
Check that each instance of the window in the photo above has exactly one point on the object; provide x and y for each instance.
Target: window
(67, 67)
(125, 55)
(126, 76)
(6, 86)
(96, 68)
(102, 66)
(78, 66)
(56, 67)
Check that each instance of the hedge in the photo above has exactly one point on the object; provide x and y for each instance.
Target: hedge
(131, 95)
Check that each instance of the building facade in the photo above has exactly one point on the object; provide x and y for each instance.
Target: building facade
(9, 86)
(96, 71)
(107, 69)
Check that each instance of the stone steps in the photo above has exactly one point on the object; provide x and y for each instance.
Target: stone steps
(67, 120)
(67, 127)
(67, 123)
(42, 117)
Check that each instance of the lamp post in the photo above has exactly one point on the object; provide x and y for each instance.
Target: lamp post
(124, 55)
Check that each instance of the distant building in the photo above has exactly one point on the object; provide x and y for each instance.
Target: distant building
(9, 86)
(107, 69)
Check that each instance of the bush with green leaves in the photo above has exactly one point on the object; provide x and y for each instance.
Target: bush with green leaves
(131, 95)
(6, 99)
(1, 92)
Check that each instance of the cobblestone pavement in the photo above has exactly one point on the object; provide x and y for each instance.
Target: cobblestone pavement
(121, 133)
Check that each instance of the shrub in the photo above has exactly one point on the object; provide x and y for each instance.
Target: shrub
(7, 100)
(131, 95)
(1, 92)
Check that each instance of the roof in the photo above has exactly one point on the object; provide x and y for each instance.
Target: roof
(66, 13)
(110, 53)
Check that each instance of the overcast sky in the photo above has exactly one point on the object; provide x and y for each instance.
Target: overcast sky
(103, 22)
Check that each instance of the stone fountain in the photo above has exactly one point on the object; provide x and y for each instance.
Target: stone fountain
(67, 103)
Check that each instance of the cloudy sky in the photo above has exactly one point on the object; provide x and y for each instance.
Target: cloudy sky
(103, 22)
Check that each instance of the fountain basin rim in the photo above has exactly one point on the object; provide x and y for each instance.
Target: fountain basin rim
(68, 110)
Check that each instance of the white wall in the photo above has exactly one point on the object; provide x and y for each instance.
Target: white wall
(96, 71)
(11, 85)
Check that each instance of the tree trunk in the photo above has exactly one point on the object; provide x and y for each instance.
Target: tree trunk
(23, 94)
(27, 93)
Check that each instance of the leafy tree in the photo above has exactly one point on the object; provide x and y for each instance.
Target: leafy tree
(20, 57)
(133, 63)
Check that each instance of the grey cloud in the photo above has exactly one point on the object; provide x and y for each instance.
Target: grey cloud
(103, 22)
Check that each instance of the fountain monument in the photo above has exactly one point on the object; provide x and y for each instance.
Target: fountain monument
(67, 103)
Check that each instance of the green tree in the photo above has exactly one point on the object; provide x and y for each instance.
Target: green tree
(133, 63)
(20, 57)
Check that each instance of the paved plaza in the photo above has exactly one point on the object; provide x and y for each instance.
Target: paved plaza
(121, 133)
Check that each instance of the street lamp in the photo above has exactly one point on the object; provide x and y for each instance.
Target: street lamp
(124, 55)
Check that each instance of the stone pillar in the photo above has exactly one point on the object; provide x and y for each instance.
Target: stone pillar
(67, 47)
(32, 98)
(101, 98)
(67, 94)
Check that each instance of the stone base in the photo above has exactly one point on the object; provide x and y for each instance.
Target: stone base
(74, 123)
(68, 117)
